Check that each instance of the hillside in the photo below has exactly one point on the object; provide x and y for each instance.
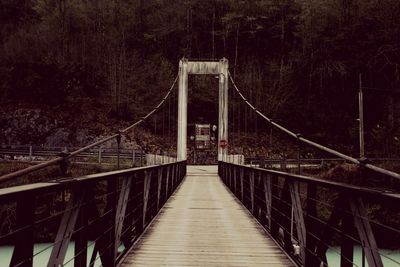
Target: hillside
(73, 71)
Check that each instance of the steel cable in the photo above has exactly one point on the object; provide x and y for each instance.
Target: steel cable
(314, 144)
(78, 151)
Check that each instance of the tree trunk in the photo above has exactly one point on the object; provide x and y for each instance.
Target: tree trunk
(213, 33)
(236, 50)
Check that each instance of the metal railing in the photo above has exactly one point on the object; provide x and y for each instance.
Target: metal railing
(309, 216)
(101, 213)
(37, 153)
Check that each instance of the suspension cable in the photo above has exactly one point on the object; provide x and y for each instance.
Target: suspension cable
(314, 144)
(78, 151)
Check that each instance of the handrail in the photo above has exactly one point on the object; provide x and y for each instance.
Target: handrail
(344, 187)
(66, 156)
(299, 137)
(307, 215)
(104, 210)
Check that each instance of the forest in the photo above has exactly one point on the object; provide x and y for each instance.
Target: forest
(299, 61)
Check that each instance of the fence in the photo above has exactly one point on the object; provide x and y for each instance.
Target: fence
(307, 216)
(103, 213)
(34, 153)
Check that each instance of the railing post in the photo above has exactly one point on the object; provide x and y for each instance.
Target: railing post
(346, 249)
(112, 201)
(105, 244)
(234, 179)
(241, 184)
(173, 173)
(119, 137)
(81, 238)
(327, 231)
(299, 218)
(146, 191)
(311, 224)
(251, 185)
(229, 178)
(138, 191)
(66, 228)
(121, 210)
(100, 150)
(64, 164)
(268, 198)
(365, 232)
(274, 207)
(285, 208)
(167, 182)
(24, 239)
(30, 153)
(159, 183)
(298, 154)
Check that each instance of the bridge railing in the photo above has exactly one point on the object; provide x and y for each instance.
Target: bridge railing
(318, 222)
(93, 219)
(64, 157)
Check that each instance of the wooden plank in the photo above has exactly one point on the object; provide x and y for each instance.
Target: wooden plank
(202, 224)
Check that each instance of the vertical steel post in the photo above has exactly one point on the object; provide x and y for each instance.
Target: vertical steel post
(361, 118)
(347, 247)
(24, 239)
(82, 236)
(298, 154)
(118, 148)
(30, 153)
(99, 155)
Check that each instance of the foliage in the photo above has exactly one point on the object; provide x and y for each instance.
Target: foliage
(297, 60)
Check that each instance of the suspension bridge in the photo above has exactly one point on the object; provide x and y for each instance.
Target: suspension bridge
(172, 214)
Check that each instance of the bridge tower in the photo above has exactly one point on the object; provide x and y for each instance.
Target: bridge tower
(202, 67)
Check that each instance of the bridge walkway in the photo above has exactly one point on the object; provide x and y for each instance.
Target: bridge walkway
(205, 225)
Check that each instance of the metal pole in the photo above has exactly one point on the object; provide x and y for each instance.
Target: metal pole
(118, 148)
(30, 153)
(99, 155)
(361, 118)
(298, 157)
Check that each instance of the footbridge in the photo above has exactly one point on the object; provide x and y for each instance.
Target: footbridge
(170, 213)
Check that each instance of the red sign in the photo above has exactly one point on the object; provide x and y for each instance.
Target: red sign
(223, 143)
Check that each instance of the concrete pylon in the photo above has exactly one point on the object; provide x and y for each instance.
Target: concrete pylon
(196, 67)
(182, 110)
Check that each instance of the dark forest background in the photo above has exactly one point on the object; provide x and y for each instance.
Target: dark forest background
(298, 61)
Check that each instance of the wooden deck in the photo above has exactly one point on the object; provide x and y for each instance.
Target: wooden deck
(204, 225)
